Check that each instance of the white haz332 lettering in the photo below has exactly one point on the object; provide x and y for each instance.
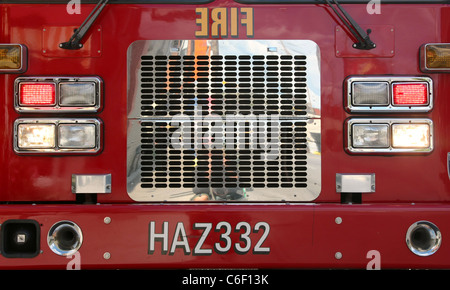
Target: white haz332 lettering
(223, 245)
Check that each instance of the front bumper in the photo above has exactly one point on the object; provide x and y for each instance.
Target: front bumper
(265, 236)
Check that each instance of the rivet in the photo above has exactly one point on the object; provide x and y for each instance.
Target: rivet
(338, 220)
(107, 220)
(338, 255)
(106, 255)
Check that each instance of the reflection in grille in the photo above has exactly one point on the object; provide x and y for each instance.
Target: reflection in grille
(221, 85)
(223, 154)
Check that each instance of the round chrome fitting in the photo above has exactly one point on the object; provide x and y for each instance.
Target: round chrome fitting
(423, 238)
(65, 238)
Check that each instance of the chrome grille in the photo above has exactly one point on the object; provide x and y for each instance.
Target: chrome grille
(230, 84)
(209, 162)
(235, 122)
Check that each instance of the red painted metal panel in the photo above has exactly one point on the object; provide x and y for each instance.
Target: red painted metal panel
(300, 236)
(52, 36)
(48, 177)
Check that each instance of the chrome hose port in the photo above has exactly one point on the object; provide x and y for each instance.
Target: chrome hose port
(65, 238)
(423, 238)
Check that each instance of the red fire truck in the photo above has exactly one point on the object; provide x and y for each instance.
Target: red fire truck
(224, 134)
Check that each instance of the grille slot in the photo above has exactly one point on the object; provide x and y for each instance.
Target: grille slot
(222, 85)
(223, 154)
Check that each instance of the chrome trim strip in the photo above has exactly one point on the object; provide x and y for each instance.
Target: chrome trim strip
(355, 182)
(448, 165)
(391, 150)
(91, 183)
(58, 150)
(58, 108)
(391, 80)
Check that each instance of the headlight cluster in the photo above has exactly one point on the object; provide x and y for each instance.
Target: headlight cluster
(63, 96)
(57, 135)
(375, 95)
(389, 135)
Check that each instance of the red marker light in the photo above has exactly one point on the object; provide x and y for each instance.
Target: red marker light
(410, 94)
(37, 94)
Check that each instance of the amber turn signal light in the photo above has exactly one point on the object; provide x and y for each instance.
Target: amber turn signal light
(435, 57)
(13, 58)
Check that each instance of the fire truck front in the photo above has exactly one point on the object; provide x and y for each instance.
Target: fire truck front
(224, 134)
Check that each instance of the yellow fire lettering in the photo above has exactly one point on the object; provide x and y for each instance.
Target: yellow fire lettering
(202, 21)
(248, 21)
(234, 22)
(224, 20)
(219, 18)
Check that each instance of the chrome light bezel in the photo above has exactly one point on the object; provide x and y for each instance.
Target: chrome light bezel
(390, 80)
(58, 107)
(390, 149)
(57, 149)
(432, 233)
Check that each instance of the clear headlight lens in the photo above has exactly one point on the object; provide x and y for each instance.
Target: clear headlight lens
(77, 135)
(368, 135)
(77, 94)
(410, 135)
(370, 93)
(36, 136)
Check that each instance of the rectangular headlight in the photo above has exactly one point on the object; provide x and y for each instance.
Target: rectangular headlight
(57, 136)
(81, 136)
(410, 135)
(389, 136)
(370, 93)
(81, 94)
(370, 135)
(57, 94)
(36, 136)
